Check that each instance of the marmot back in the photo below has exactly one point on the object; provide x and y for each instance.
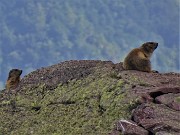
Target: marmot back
(13, 79)
(139, 58)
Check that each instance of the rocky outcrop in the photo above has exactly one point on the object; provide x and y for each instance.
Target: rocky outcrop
(171, 100)
(92, 97)
(128, 127)
(159, 104)
(63, 73)
(157, 118)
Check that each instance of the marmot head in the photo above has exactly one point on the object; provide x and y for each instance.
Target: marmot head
(149, 47)
(14, 73)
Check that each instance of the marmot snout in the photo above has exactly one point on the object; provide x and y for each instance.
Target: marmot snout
(139, 58)
(13, 79)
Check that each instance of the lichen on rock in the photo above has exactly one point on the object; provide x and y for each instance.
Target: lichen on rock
(76, 97)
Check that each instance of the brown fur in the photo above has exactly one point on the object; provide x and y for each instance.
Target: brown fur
(13, 79)
(139, 58)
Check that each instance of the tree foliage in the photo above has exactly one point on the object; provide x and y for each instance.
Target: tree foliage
(40, 33)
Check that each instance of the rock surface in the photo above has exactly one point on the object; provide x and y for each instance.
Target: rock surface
(88, 97)
(129, 127)
(63, 73)
(171, 100)
(157, 117)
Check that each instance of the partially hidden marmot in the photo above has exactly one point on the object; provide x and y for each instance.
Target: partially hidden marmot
(139, 58)
(13, 79)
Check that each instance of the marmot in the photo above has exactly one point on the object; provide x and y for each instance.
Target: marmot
(139, 58)
(13, 79)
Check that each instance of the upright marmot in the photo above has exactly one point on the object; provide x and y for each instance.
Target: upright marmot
(13, 79)
(139, 58)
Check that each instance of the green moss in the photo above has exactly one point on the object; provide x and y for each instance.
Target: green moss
(178, 99)
(139, 81)
(89, 106)
(115, 75)
(5, 102)
(142, 83)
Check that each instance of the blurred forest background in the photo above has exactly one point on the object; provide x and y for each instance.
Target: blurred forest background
(39, 33)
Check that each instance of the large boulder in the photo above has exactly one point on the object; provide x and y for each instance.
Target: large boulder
(157, 118)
